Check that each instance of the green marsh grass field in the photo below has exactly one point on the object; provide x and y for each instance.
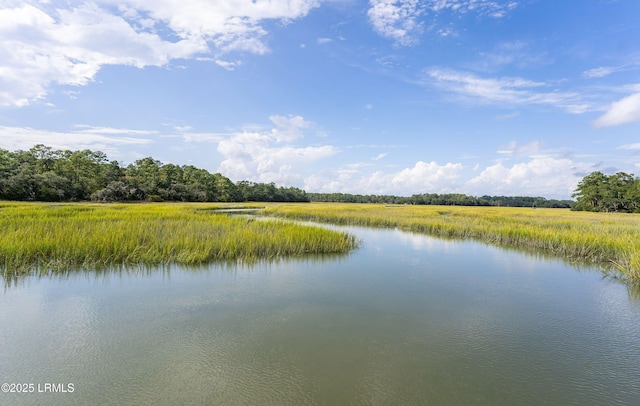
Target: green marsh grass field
(608, 239)
(58, 237)
(50, 238)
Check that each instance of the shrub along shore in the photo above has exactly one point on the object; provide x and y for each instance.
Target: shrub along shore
(50, 238)
(608, 239)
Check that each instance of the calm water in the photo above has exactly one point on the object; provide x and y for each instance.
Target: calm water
(406, 319)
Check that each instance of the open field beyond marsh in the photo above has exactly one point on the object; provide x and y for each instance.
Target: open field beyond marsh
(59, 237)
(584, 237)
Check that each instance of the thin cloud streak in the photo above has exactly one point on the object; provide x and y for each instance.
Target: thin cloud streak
(23, 138)
(506, 90)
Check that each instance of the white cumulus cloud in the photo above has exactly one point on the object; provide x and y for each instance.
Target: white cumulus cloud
(67, 43)
(421, 178)
(550, 177)
(288, 128)
(267, 154)
(425, 176)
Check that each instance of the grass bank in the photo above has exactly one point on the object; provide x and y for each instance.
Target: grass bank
(59, 237)
(591, 238)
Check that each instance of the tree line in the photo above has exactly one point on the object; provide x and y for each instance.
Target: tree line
(448, 199)
(45, 174)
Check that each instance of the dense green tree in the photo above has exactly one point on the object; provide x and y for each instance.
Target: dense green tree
(614, 193)
(50, 186)
(632, 196)
(44, 158)
(84, 170)
(226, 190)
(20, 185)
(268, 192)
(145, 175)
(590, 193)
(617, 193)
(200, 185)
(112, 172)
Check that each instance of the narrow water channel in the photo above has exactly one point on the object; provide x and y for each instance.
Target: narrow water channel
(406, 319)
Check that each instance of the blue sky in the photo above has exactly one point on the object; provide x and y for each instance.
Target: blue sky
(513, 97)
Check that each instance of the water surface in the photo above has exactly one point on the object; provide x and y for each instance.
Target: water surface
(406, 319)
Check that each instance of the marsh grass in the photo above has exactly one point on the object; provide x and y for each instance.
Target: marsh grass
(608, 239)
(44, 238)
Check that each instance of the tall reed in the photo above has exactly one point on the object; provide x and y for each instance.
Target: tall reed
(62, 236)
(604, 238)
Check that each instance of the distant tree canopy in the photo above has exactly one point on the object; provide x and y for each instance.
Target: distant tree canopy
(44, 174)
(450, 199)
(614, 193)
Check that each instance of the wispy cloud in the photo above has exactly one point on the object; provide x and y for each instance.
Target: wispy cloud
(603, 71)
(228, 65)
(600, 72)
(89, 129)
(397, 20)
(401, 20)
(520, 54)
(489, 8)
(514, 149)
(105, 139)
(505, 90)
(447, 32)
(630, 146)
(508, 115)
